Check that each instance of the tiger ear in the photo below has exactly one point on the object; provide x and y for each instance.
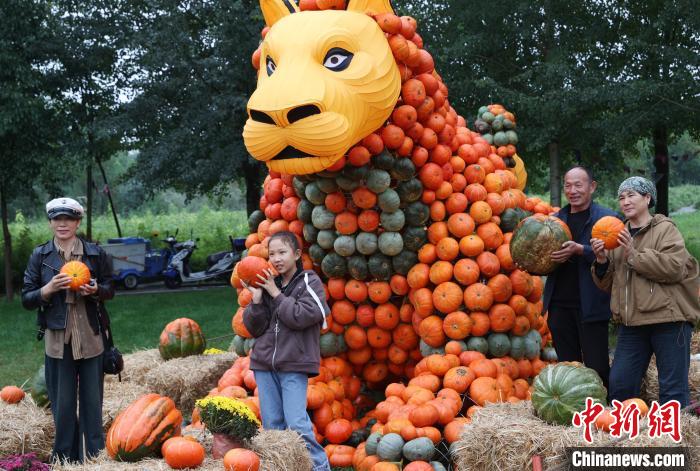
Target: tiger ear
(372, 7)
(275, 10)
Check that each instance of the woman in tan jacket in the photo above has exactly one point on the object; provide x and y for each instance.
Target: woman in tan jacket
(653, 281)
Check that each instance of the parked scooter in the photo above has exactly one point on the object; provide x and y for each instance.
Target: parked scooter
(220, 264)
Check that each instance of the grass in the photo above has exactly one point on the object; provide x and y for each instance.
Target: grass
(137, 321)
(689, 225)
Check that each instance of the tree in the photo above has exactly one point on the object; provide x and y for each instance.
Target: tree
(29, 124)
(189, 107)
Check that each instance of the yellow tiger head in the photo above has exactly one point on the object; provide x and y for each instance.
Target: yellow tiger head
(326, 80)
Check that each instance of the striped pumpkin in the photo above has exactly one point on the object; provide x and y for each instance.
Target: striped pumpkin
(180, 338)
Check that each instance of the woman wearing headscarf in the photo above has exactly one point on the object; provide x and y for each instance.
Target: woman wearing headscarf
(653, 281)
(71, 323)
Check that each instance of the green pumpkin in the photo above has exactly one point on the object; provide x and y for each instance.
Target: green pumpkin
(437, 466)
(329, 344)
(427, 350)
(414, 238)
(372, 443)
(499, 344)
(384, 161)
(366, 243)
(512, 137)
(38, 389)
(478, 344)
(390, 447)
(356, 173)
(325, 238)
(403, 170)
(549, 354)
(404, 261)
(237, 345)
(299, 186)
(347, 184)
(327, 174)
(322, 218)
(409, 191)
(248, 345)
(390, 243)
(304, 210)
(358, 436)
(317, 253)
(344, 245)
(510, 219)
(389, 200)
(517, 347)
(380, 267)
(327, 185)
(378, 180)
(392, 221)
(417, 214)
(181, 338)
(310, 233)
(314, 194)
(534, 240)
(254, 220)
(419, 449)
(561, 390)
(333, 265)
(532, 348)
(357, 267)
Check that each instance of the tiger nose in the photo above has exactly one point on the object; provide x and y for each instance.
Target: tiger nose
(293, 115)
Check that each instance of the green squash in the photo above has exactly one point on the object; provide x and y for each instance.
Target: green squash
(317, 253)
(378, 180)
(561, 390)
(392, 221)
(390, 447)
(357, 267)
(325, 238)
(517, 347)
(499, 344)
(347, 184)
(314, 194)
(404, 261)
(534, 240)
(181, 338)
(532, 348)
(358, 436)
(310, 233)
(333, 265)
(419, 449)
(549, 354)
(389, 200)
(427, 350)
(304, 210)
(356, 173)
(512, 137)
(327, 185)
(478, 344)
(403, 170)
(38, 389)
(372, 443)
(344, 245)
(329, 344)
(417, 214)
(414, 238)
(366, 243)
(299, 186)
(380, 267)
(409, 191)
(510, 218)
(248, 345)
(384, 161)
(391, 243)
(322, 218)
(237, 345)
(254, 220)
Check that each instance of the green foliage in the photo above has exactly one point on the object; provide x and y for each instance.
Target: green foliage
(137, 321)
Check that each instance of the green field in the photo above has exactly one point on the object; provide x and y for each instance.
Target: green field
(137, 321)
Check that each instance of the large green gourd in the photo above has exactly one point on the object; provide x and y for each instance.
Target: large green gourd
(534, 240)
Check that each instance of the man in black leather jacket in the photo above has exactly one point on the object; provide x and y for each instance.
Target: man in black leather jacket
(72, 322)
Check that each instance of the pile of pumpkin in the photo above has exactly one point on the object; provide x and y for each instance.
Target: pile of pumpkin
(410, 232)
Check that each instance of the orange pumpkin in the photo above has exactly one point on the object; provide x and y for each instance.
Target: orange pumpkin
(182, 453)
(447, 297)
(484, 390)
(11, 394)
(466, 271)
(240, 459)
(79, 274)
(459, 378)
(457, 325)
(478, 297)
(607, 229)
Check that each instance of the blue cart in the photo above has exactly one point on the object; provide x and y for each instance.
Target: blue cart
(134, 260)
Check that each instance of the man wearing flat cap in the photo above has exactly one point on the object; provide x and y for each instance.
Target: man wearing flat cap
(71, 323)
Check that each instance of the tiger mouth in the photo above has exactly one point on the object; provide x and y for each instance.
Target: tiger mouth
(291, 152)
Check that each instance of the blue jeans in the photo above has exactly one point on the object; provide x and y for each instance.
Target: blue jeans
(283, 405)
(670, 342)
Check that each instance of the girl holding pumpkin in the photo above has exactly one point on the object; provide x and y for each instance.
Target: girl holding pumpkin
(71, 318)
(654, 284)
(285, 317)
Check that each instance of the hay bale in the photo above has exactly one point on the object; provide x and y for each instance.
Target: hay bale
(104, 463)
(25, 428)
(117, 397)
(137, 365)
(185, 380)
(650, 383)
(695, 343)
(281, 450)
(506, 436)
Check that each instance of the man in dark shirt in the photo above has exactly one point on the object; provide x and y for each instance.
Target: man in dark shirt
(578, 311)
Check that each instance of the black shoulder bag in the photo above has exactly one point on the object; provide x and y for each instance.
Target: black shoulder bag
(112, 360)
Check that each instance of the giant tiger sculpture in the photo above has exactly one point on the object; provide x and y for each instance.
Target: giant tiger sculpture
(405, 213)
